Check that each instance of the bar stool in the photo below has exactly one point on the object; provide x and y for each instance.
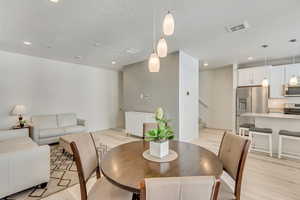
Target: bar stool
(244, 129)
(291, 135)
(263, 132)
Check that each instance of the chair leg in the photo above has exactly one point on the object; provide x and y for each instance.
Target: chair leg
(280, 147)
(135, 196)
(270, 146)
(251, 138)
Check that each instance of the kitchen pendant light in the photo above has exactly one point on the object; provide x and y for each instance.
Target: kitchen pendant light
(265, 82)
(168, 24)
(162, 48)
(154, 63)
(293, 81)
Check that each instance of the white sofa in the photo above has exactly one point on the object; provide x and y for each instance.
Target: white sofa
(48, 128)
(23, 163)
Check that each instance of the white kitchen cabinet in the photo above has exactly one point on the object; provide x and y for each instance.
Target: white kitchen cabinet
(244, 77)
(253, 76)
(259, 74)
(134, 122)
(290, 71)
(277, 80)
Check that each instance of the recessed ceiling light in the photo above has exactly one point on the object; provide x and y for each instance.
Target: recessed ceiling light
(250, 58)
(54, 1)
(27, 43)
(77, 57)
(205, 64)
(113, 62)
(97, 44)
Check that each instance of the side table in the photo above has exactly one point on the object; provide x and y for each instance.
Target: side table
(29, 127)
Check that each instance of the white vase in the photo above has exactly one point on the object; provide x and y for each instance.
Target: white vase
(159, 149)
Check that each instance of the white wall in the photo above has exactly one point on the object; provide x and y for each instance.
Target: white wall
(47, 87)
(188, 97)
(218, 92)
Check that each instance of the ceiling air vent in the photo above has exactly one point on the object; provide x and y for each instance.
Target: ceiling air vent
(245, 25)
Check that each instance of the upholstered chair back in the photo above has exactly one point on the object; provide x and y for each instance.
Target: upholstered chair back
(233, 153)
(86, 153)
(177, 188)
(86, 158)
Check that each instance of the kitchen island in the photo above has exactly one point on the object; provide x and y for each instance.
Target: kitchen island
(277, 122)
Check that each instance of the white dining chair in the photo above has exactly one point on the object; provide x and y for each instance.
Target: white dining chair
(180, 188)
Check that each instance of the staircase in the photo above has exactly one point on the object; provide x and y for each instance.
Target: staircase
(202, 123)
(203, 110)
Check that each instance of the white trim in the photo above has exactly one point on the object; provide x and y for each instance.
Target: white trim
(242, 131)
(252, 146)
(287, 154)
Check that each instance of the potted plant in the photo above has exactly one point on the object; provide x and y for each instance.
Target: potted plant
(160, 136)
(22, 123)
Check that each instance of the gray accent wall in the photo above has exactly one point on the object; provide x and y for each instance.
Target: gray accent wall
(145, 92)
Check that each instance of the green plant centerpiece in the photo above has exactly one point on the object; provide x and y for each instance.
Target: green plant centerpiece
(159, 137)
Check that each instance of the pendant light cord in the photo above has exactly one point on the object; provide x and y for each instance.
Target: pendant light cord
(154, 37)
(266, 60)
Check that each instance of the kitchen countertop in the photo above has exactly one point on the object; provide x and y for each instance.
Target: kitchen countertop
(271, 115)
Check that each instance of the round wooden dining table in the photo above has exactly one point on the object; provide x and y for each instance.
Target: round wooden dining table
(125, 166)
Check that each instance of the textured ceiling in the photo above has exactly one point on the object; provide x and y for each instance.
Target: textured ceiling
(100, 31)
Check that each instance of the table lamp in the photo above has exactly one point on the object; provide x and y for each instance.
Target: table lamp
(19, 110)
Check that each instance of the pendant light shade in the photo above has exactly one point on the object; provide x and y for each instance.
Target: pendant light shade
(168, 24)
(293, 81)
(265, 82)
(154, 63)
(162, 48)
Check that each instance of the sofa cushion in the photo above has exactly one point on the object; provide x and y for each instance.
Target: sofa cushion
(44, 121)
(16, 144)
(51, 132)
(67, 119)
(74, 129)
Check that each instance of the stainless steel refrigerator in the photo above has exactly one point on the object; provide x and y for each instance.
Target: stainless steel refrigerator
(250, 100)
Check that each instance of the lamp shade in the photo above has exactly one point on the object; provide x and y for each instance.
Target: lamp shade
(19, 110)
(154, 63)
(162, 48)
(168, 24)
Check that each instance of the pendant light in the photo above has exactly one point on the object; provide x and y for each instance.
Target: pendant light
(265, 81)
(162, 48)
(168, 24)
(154, 62)
(294, 79)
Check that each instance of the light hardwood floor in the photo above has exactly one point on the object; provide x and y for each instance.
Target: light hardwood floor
(265, 178)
